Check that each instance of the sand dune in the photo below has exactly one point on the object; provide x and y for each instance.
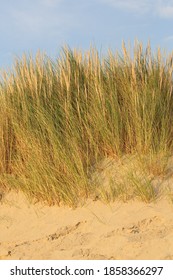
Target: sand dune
(132, 230)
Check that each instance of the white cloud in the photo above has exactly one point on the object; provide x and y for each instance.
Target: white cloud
(165, 9)
(41, 16)
(133, 5)
(161, 8)
(168, 38)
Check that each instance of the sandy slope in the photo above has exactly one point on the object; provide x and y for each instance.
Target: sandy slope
(133, 230)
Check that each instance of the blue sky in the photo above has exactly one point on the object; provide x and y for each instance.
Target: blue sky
(29, 25)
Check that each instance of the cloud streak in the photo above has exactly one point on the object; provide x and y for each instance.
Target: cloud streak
(158, 8)
(165, 10)
(41, 16)
(168, 38)
(130, 5)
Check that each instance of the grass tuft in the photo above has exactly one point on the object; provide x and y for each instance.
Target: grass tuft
(60, 118)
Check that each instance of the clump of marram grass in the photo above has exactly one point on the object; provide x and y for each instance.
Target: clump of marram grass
(59, 119)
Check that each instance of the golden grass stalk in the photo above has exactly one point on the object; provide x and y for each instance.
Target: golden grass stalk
(60, 118)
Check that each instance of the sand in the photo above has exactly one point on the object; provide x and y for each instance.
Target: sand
(123, 231)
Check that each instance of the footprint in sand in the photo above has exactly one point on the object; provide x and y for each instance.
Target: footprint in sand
(6, 257)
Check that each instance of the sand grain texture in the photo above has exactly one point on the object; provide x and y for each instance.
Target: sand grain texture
(132, 230)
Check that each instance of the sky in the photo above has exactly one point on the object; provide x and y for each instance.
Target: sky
(27, 26)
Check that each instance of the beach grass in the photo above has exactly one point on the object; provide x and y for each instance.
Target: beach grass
(60, 118)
